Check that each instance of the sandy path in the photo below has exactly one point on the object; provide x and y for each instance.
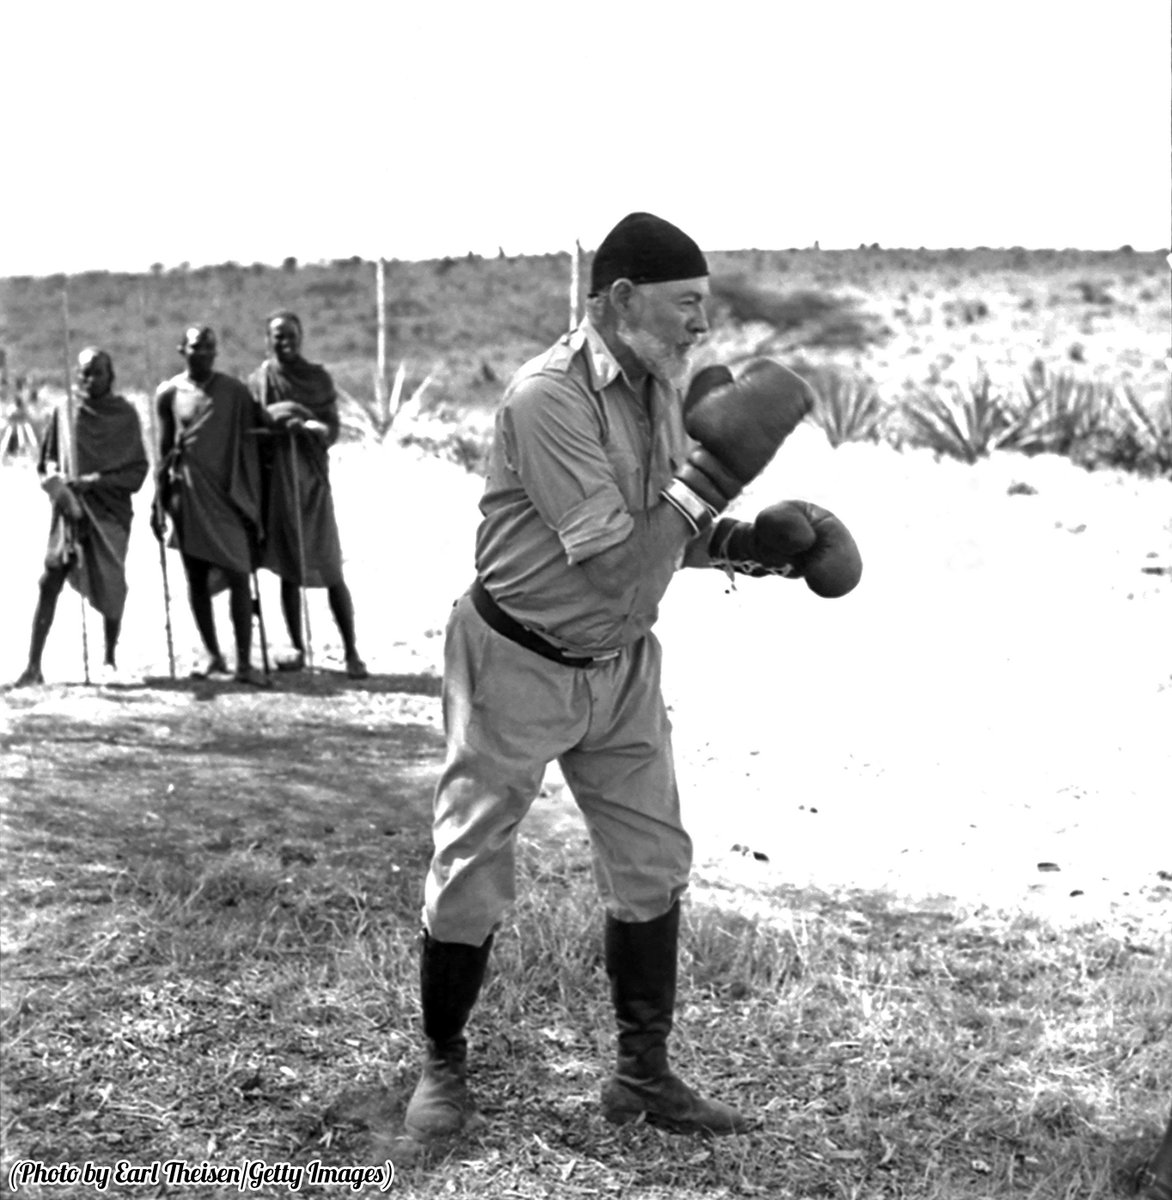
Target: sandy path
(996, 694)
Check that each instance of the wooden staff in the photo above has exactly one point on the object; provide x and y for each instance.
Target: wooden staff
(67, 454)
(292, 444)
(152, 425)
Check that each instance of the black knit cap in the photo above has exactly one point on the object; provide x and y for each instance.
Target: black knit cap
(645, 249)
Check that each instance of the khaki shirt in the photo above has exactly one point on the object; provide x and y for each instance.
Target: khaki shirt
(579, 455)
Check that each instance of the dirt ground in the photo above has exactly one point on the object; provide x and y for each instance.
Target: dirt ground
(983, 722)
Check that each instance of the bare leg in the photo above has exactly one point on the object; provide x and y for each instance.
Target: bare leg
(291, 608)
(201, 609)
(113, 628)
(51, 583)
(240, 607)
(342, 606)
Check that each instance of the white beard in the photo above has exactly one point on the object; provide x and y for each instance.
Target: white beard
(660, 358)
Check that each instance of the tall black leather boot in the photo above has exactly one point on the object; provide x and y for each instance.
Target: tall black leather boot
(641, 963)
(450, 975)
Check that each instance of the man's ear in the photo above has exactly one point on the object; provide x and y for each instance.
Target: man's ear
(623, 295)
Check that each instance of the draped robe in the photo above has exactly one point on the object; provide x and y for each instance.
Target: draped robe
(107, 440)
(212, 477)
(301, 531)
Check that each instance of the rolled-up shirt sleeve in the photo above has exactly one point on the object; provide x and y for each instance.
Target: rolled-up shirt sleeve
(553, 443)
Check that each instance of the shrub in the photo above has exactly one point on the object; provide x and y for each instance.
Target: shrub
(849, 408)
(962, 423)
(1062, 413)
(1150, 425)
(372, 416)
(807, 317)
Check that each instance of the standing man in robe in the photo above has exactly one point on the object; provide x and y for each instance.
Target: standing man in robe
(92, 510)
(208, 488)
(301, 532)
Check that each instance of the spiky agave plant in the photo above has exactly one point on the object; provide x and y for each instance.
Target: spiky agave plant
(1150, 425)
(1062, 413)
(849, 408)
(373, 417)
(964, 423)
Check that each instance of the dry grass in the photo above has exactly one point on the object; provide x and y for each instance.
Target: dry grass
(238, 982)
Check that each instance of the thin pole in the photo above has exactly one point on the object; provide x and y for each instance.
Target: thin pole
(67, 450)
(380, 381)
(153, 438)
(258, 612)
(292, 442)
(575, 285)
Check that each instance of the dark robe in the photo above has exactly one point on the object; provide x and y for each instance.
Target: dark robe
(107, 440)
(297, 476)
(212, 476)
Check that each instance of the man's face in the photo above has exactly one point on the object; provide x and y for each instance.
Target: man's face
(199, 351)
(284, 337)
(94, 375)
(663, 324)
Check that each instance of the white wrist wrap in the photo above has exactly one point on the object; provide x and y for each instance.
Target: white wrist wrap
(691, 507)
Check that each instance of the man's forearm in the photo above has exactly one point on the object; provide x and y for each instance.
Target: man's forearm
(654, 547)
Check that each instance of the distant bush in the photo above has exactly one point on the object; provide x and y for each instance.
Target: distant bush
(1091, 291)
(805, 317)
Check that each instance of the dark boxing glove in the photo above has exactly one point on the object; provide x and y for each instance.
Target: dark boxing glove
(795, 539)
(740, 425)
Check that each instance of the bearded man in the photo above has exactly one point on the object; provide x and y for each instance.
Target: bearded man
(600, 484)
(91, 463)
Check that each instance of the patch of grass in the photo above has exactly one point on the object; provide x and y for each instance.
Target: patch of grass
(252, 1004)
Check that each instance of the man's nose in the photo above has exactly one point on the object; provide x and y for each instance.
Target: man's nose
(699, 322)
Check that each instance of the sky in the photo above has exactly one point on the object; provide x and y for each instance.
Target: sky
(152, 132)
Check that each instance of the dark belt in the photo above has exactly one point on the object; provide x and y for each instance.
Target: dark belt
(496, 618)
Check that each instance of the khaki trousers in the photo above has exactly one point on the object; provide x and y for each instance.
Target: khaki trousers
(508, 713)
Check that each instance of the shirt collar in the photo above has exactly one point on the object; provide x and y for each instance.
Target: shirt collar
(604, 367)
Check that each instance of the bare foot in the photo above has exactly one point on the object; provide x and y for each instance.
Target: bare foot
(246, 673)
(214, 664)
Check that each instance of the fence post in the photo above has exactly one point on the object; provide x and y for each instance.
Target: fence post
(575, 288)
(380, 383)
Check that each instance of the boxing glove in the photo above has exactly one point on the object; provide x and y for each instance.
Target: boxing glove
(795, 539)
(740, 425)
